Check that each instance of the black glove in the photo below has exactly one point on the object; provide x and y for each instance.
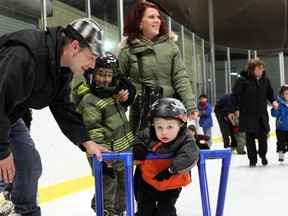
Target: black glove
(139, 152)
(165, 174)
(108, 171)
(125, 83)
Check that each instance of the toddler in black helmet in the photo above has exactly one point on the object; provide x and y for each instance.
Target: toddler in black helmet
(161, 180)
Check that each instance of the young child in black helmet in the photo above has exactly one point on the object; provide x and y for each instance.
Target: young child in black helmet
(104, 116)
(161, 180)
(281, 115)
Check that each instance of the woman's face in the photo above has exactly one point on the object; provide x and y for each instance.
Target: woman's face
(150, 23)
(258, 72)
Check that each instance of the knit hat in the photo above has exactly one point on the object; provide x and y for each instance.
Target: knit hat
(203, 95)
(87, 32)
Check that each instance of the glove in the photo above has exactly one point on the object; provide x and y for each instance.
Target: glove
(165, 174)
(235, 129)
(139, 152)
(108, 171)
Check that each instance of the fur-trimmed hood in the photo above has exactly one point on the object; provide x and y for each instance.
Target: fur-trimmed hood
(171, 35)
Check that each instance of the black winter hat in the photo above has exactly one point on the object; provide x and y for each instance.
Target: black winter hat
(203, 95)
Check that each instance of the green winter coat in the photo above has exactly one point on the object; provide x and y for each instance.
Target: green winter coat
(162, 66)
(105, 119)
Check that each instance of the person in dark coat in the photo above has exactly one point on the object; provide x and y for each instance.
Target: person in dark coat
(37, 67)
(225, 125)
(250, 93)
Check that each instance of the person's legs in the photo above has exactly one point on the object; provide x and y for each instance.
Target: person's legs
(120, 199)
(241, 142)
(147, 199)
(232, 136)
(281, 141)
(262, 143)
(109, 192)
(28, 170)
(167, 201)
(224, 128)
(251, 148)
(208, 132)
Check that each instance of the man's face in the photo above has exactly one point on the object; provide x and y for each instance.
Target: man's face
(103, 76)
(82, 60)
(78, 59)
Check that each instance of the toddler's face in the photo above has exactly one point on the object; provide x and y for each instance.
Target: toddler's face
(192, 132)
(167, 130)
(285, 95)
(203, 99)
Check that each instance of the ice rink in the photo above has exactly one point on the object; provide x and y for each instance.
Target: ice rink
(262, 190)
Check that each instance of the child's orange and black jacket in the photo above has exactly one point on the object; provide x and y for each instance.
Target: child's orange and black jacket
(186, 156)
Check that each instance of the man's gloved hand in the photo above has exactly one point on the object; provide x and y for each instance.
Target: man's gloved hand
(165, 174)
(139, 152)
(108, 171)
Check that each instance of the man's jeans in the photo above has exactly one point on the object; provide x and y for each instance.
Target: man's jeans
(28, 170)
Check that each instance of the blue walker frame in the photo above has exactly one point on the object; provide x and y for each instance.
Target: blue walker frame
(127, 157)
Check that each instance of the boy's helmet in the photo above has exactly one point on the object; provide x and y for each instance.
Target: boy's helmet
(168, 107)
(107, 61)
(282, 89)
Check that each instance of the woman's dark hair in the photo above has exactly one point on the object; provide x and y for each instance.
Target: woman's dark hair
(134, 17)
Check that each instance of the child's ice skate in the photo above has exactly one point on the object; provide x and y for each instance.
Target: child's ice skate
(281, 156)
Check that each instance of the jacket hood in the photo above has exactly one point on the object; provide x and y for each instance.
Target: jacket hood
(171, 35)
(280, 100)
(79, 91)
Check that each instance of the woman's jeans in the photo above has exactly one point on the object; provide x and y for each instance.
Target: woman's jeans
(28, 170)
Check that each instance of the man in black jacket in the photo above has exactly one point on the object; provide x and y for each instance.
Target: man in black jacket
(36, 68)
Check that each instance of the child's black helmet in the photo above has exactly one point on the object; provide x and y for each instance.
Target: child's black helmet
(282, 89)
(107, 61)
(168, 107)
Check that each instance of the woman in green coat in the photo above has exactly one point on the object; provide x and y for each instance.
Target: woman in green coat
(147, 37)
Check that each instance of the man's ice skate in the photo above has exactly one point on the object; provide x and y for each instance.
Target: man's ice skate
(6, 208)
(281, 156)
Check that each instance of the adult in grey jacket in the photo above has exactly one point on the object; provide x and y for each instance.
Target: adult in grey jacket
(250, 93)
(36, 69)
(147, 37)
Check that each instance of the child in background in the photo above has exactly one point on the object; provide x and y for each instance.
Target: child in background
(281, 115)
(201, 140)
(97, 99)
(205, 116)
(161, 181)
(239, 136)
